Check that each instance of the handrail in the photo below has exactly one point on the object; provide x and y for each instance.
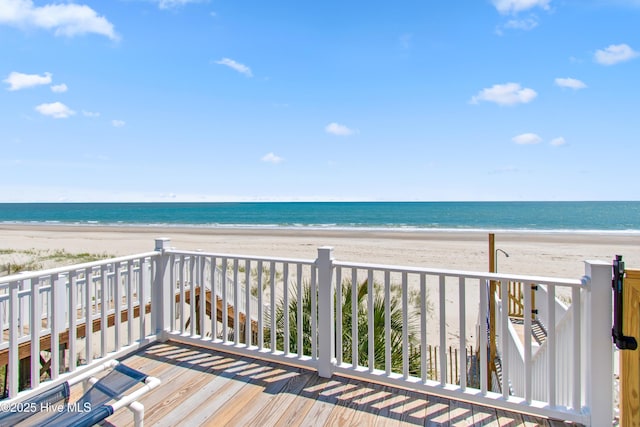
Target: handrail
(467, 274)
(61, 270)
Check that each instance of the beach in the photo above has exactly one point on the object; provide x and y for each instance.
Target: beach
(538, 253)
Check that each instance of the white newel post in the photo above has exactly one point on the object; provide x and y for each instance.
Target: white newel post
(161, 290)
(599, 346)
(326, 323)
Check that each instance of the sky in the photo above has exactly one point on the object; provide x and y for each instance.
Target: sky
(245, 100)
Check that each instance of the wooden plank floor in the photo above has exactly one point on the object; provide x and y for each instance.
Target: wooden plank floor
(205, 388)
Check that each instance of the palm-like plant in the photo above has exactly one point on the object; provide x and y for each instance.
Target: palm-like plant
(379, 336)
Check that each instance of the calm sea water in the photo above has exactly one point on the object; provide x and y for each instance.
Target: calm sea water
(523, 216)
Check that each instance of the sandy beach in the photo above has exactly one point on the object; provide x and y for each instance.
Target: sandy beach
(543, 254)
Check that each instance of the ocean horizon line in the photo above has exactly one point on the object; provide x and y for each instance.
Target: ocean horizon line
(302, 201)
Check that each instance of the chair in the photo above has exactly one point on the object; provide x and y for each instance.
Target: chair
(105, 396)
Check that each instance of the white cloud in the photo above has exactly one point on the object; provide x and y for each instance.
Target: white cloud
(505, 94)
(59, 88)
(241, 68)
(521, 24)
(90, 114)
(170, 4)
(17, 81)
(515, 6)
(614, 54)
(271, 158)
(570, 83)
(556, 142)
(527, 139)
(63, 19)
(57, 110)
(517, 24)
(118, 123)
(338, 129)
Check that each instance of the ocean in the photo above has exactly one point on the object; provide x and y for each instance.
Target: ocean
(623, 217)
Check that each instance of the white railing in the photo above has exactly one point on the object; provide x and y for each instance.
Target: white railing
(555, 365)
(77, 314)
(355, 319)
(544, 310)
(256, 285)
(193, 271)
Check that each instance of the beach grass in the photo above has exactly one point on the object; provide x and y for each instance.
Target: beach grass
(15, 261)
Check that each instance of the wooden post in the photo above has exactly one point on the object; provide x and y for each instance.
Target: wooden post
(492, 312)
(630, 360)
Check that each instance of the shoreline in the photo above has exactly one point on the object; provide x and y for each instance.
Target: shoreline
(317, 228)
(379, 232)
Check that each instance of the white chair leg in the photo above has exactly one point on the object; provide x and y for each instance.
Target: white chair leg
(138, 413)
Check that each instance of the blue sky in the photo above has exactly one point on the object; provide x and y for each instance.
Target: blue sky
(179, 100)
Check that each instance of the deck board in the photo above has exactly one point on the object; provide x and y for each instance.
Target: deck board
(201, 387)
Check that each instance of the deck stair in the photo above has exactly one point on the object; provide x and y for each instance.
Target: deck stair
(538, 332)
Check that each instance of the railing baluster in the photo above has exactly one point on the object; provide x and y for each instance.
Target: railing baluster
(272, 282)
(173, 286)
(339, 319)
(14, 311)
(73, 315)
(142, 289)
(236, 303)
(182, 295)
(370, 320)
(57, 313)
(482, 350)
(130, 307)
(405, 326)
(104, 306)
(443, 331)
(34, 330)
(247, 313)
(214, 298)
(387, 322)
(527, 346)
(577, 353)
(463, 333)
(504, 320)
(423, 327)
(354, 317)
(192, 296)
(203, 295)
(551, 344)
(299, 314)
(260, 308)
(117, 303)
(225, 302)
(285, 291)
(88, 318)
(314, 313)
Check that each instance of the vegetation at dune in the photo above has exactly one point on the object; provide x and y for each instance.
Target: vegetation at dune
(15, 261)
(379, 335)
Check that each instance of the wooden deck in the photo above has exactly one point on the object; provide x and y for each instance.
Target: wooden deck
(201, 387)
